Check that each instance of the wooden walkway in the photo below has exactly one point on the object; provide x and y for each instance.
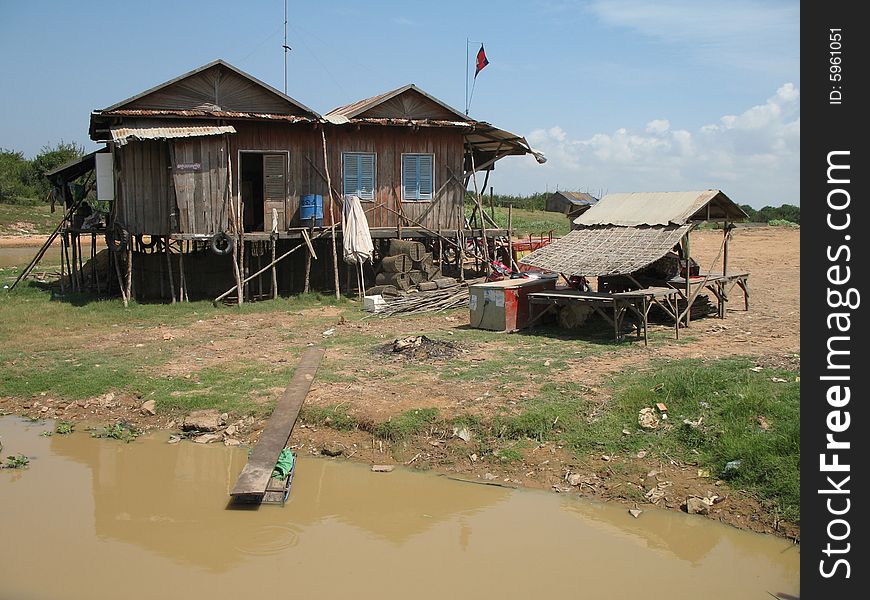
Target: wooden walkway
(254, 478)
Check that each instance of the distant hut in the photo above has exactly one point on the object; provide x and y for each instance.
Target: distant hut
(575, 203)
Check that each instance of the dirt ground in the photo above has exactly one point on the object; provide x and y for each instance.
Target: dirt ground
(376, 387)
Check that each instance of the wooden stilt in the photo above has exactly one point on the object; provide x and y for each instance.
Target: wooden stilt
(120, 279)
(69, 269)
(129, 287)
(94, 283)
(62, 284)
(688, 281)
(81, 268)
(169, 270)
(237, 273)
(307, 286)
(243, 266)
(182, 283)
(274, 269)
(331, 214)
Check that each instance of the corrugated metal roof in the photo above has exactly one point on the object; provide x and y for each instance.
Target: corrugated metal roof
(661, 208)
(579, 198)
(122, 135)
(609, 250)
(217, 114)
(360, 106)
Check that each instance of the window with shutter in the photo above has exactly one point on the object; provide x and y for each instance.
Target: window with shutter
(418, 176)
(359, 174)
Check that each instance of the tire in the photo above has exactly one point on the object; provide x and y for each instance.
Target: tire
(222, 244)
(149, 245)
(117, 238)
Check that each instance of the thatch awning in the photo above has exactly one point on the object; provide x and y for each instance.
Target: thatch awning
(607, 250)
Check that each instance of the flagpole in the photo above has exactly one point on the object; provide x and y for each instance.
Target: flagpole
(466, 76)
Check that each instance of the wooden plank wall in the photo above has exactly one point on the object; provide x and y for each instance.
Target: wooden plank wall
(200, 193)
(307, 175)
(305, 147)
(149, 183)
(389, 143)
(145, 190)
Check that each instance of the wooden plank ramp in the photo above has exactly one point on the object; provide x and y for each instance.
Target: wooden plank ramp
(254, 478)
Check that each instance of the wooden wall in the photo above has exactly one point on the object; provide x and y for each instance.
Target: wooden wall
(144, 197)
(155, 197)
(200, 191)
(308, 176)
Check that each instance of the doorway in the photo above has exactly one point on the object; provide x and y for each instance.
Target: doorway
(263, 188)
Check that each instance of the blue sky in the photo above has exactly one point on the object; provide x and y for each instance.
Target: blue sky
(621, 95)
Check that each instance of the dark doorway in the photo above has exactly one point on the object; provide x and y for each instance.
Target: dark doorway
(263, 185)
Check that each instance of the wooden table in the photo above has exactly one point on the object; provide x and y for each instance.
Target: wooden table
(638, 302)
(718, 283)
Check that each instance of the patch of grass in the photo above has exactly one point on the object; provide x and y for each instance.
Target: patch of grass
(36, 219)
(118, 431)
(334, 416)
(16, 461)
(64, 427)
(406, 424)
(525, 222)
(236, 388)
(729, 399)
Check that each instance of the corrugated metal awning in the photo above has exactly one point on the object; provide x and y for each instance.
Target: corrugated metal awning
(609, 250)
(661, 208)
(122, 135)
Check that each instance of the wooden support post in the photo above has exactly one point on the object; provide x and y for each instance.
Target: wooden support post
(243, 266)
(62, 285)
(129, 287)
(73, 270)
(237, 274)
(331, 215)
(114, 259)
(689, 297)
(182, 283)
(169, 270)
(274, 269)
(94, 282)
(81, 268)
(440, 251)
(307, 287)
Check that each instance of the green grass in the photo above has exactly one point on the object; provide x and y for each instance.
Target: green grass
(335, 416)
(726, 393)
(406, 424)
(526, 222)
(38, 219)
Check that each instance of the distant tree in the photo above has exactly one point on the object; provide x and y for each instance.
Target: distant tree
(749, 211)
(49, 158)
(13, 178)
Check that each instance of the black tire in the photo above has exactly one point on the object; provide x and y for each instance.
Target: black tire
(150, 244)
(222, 244)
(117, 238)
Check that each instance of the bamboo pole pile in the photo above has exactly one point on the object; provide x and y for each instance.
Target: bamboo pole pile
(437, 300)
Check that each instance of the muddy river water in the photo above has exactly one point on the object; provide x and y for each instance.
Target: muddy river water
(92, 518)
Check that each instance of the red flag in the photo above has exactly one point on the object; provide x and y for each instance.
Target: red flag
(481, 61)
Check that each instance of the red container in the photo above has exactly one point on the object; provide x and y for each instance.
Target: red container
(504, 305)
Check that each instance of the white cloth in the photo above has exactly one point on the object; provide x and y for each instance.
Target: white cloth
(357, 239)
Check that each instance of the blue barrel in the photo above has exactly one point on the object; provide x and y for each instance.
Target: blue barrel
(311, 209)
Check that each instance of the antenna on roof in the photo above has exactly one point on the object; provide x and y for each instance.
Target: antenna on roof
(286, 47)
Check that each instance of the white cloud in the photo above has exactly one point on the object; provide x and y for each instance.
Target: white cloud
(753, 156)
(658, 126)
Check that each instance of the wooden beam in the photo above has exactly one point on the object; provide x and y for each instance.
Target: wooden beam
(254, 478)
